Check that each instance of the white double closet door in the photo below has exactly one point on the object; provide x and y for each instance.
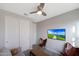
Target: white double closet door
(17, 33)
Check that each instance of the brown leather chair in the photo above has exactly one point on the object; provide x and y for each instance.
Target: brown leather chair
(43, 42)
(69, 50)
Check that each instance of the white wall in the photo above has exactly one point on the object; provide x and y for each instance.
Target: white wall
(77, 34)
(2, 27)
(66, 20)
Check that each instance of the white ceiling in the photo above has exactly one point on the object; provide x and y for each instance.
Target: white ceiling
(52, 9)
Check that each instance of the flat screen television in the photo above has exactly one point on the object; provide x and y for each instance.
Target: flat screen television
(57, 34)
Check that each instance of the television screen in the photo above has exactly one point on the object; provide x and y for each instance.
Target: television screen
(57, 34)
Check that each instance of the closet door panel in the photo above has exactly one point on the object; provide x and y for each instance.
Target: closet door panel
(11, 32)
(24, 35)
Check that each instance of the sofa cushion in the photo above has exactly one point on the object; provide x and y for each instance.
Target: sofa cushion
(15, 51)
(20, 54)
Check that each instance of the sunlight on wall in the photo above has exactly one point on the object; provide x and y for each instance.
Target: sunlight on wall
(73, 29)
(73, 36)
(73, 41)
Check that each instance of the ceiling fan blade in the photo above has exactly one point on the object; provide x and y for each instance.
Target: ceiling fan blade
(42, 5)
(44, 14)
(33, 12)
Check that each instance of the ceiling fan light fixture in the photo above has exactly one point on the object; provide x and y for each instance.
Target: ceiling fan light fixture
(39, 13)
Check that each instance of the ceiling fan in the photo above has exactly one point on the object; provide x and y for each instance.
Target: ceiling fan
(39, 10)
